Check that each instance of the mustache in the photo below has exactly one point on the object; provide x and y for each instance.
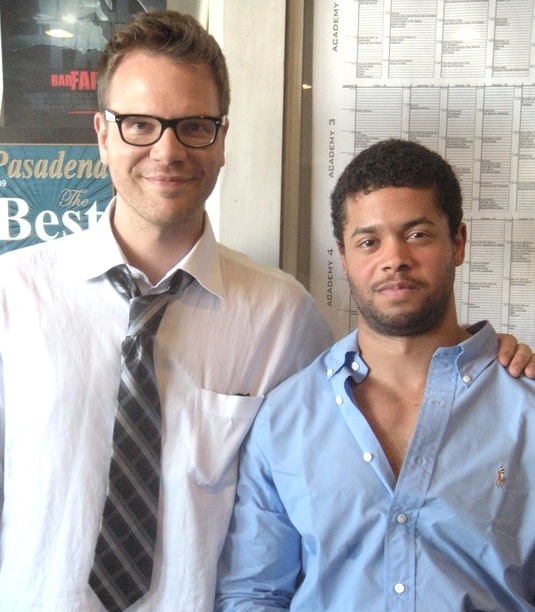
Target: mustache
(166, 175)
(397, 281)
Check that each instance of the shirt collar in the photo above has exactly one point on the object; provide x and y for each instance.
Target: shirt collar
(203, 262)
(472, 355)
(475, 353)
(102, 252)
(345, 355)
(99, 249)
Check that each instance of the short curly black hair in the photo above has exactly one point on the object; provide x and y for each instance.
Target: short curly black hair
(397, 163)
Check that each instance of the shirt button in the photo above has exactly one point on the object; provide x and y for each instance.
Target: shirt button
(367, 457)
(339, 400)
(399, 588)
(330, 372)
(355, 366)
(467, 379)
(402, 518)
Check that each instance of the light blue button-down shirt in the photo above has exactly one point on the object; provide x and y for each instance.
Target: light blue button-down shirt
(321, 524)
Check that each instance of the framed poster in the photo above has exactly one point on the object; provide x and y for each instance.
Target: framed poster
(52, 182)
(50, 51)
(48, 191)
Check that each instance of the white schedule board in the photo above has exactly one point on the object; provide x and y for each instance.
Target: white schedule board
(459, 77)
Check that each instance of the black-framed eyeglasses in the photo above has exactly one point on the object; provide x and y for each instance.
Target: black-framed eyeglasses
(146, 130)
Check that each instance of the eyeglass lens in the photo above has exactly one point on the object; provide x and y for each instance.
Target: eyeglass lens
(194, 132)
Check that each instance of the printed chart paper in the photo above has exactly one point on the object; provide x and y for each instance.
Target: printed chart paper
(459, 77)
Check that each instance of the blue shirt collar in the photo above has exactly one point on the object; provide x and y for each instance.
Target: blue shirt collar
(473, 355)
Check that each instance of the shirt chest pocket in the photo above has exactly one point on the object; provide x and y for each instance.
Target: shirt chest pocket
(220, 425)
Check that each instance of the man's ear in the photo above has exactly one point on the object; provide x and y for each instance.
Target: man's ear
(101, 128)
(459, 245)
(342, 253)
(223, 130)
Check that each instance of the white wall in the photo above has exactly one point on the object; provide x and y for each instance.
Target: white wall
(245, 208)
(253, 36)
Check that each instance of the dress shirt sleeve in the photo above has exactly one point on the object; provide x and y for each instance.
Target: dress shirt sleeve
(312, 336)
(260, 564)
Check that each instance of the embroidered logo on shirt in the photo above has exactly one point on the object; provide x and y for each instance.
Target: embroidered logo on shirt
(501, 477)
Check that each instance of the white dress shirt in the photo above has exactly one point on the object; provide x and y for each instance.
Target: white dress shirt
(234, 333)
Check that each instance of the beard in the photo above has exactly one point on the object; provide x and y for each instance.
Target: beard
(429, 315)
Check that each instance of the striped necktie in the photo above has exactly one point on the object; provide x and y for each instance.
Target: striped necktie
(124, 554)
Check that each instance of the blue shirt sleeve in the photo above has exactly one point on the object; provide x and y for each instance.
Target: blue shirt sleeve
(260, 564)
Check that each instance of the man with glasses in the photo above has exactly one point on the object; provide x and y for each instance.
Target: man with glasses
(144, 130)
(231, 331)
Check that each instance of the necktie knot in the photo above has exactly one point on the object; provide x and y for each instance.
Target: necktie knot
(123, 282)
(146, 311)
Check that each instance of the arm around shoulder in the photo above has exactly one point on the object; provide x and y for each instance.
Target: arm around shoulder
(517, 357)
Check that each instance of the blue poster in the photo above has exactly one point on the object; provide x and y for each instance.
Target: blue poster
(49, 191)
